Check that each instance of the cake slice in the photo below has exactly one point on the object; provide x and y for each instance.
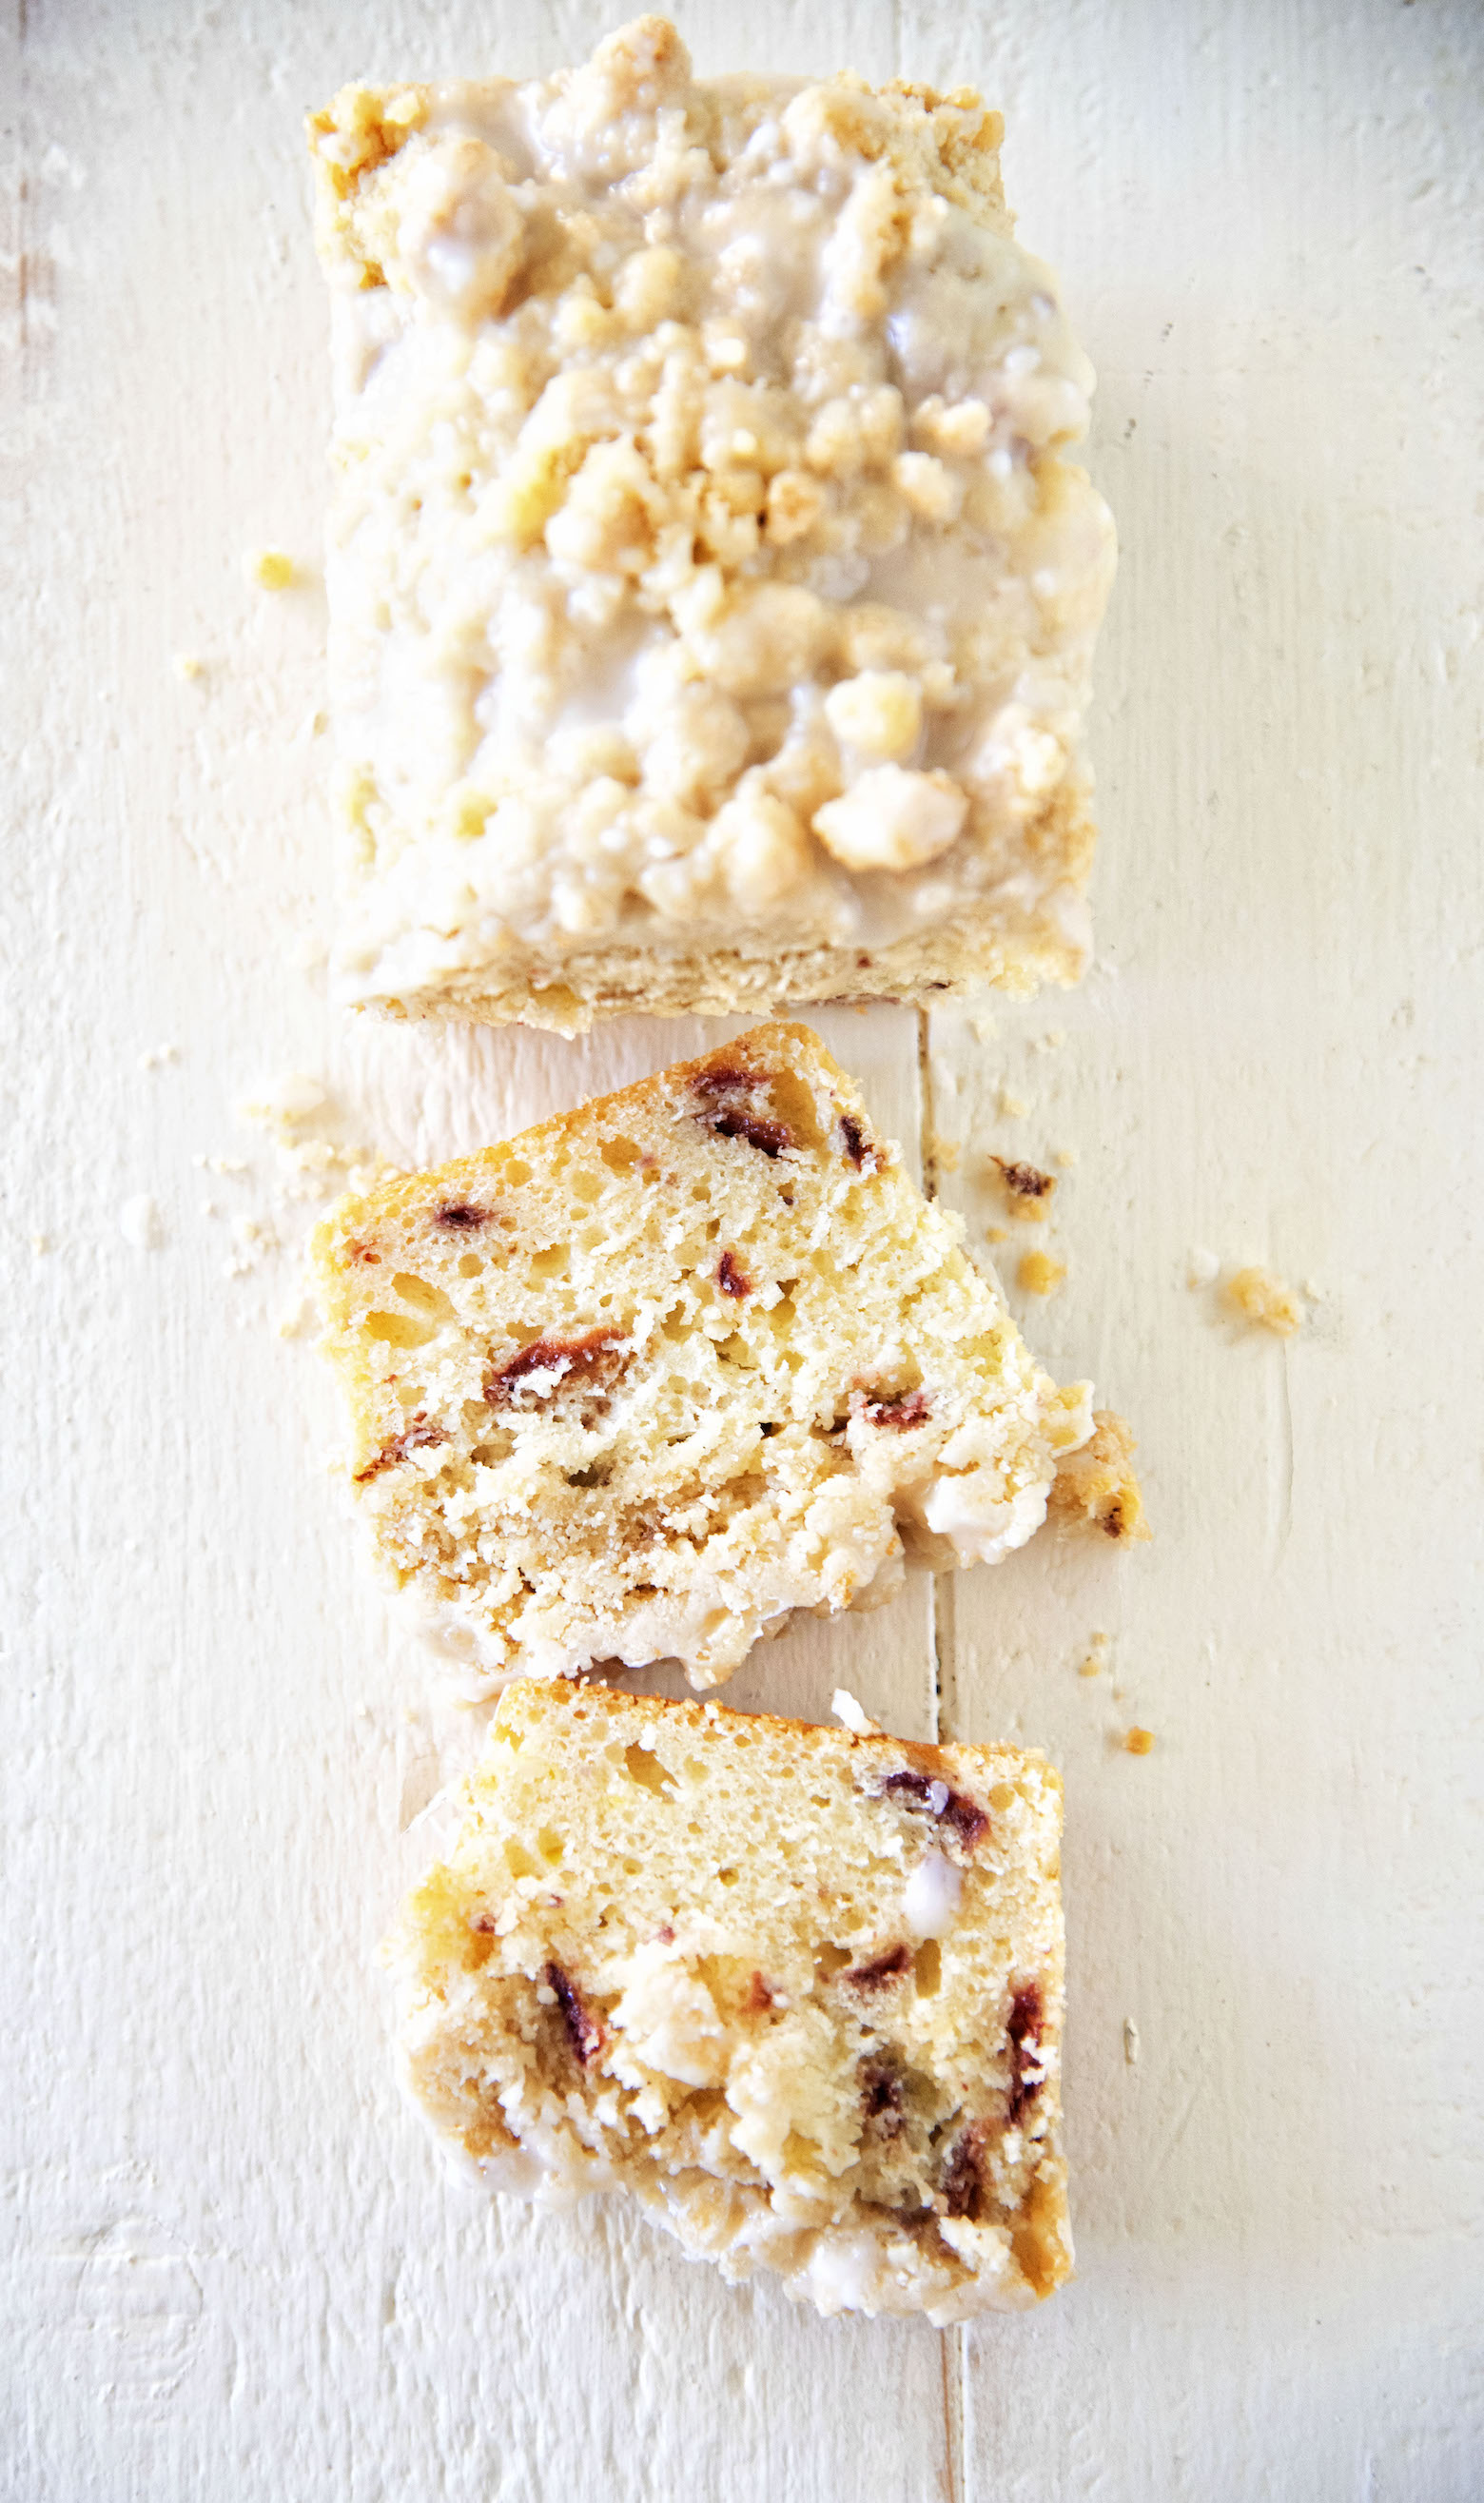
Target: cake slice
(641, 1383)
(712, 598)
(800, 1991)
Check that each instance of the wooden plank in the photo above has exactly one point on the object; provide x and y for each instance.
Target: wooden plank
(236, 2268)
(1267, 219)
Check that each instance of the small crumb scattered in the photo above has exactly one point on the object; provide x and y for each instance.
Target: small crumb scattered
(1263, 1298)
(281, 1110)
(996, 1234)
(1096, 1660)
(853, 1715)
(1013, 1108)
(158, 1055)
(40, 1243)
(1028, 1190)
(1200, 1267)
(270, 568)
(944, 1153)
(1139, 1742)
(314, 1158)
(188, 668)
(1039, 1273)
(140, 1223)
(1130, 2041)
(1065, 1157)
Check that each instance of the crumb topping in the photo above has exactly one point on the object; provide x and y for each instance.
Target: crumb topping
(705, 555)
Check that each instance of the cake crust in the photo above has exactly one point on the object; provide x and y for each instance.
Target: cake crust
(800, 1991)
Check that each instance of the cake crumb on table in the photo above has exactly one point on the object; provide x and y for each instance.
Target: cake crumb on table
(1138, 1742)
(1028, 1190)
(270, 568)
(1096, 1660)
(1266, 1300)
(140, 1223)
(1039, 1273)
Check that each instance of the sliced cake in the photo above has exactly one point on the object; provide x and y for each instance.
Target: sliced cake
(797, 1991)
(645, 1379)
(712, 598)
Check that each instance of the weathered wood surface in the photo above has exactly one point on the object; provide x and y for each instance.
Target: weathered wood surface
(231, 2266)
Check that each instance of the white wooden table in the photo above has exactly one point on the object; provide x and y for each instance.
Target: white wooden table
(232, 2266)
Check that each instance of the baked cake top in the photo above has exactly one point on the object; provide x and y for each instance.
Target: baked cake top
(703, 557)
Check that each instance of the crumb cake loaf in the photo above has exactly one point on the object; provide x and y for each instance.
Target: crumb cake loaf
(642, 1382)
(801, 1992)
(711, 599)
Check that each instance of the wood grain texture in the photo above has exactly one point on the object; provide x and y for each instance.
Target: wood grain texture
(231, 2266)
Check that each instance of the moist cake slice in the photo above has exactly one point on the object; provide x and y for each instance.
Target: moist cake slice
(800, 1991)
(642, 1382)
(712, 598)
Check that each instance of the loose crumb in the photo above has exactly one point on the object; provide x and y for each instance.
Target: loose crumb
(280, 1111)
(1264, 1300)
(1026, 1188)
(1139, 1742)
(189, 666)
(1201, 1267)
(158, 1055)
(270, 568)
(1096, 1660)
(1013, 1108)
(982, 1027)
(140, 1223)
(1065, 1157)
(996, 1234)
(944, 1153)
(1039, 1273)
(40, 1243)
